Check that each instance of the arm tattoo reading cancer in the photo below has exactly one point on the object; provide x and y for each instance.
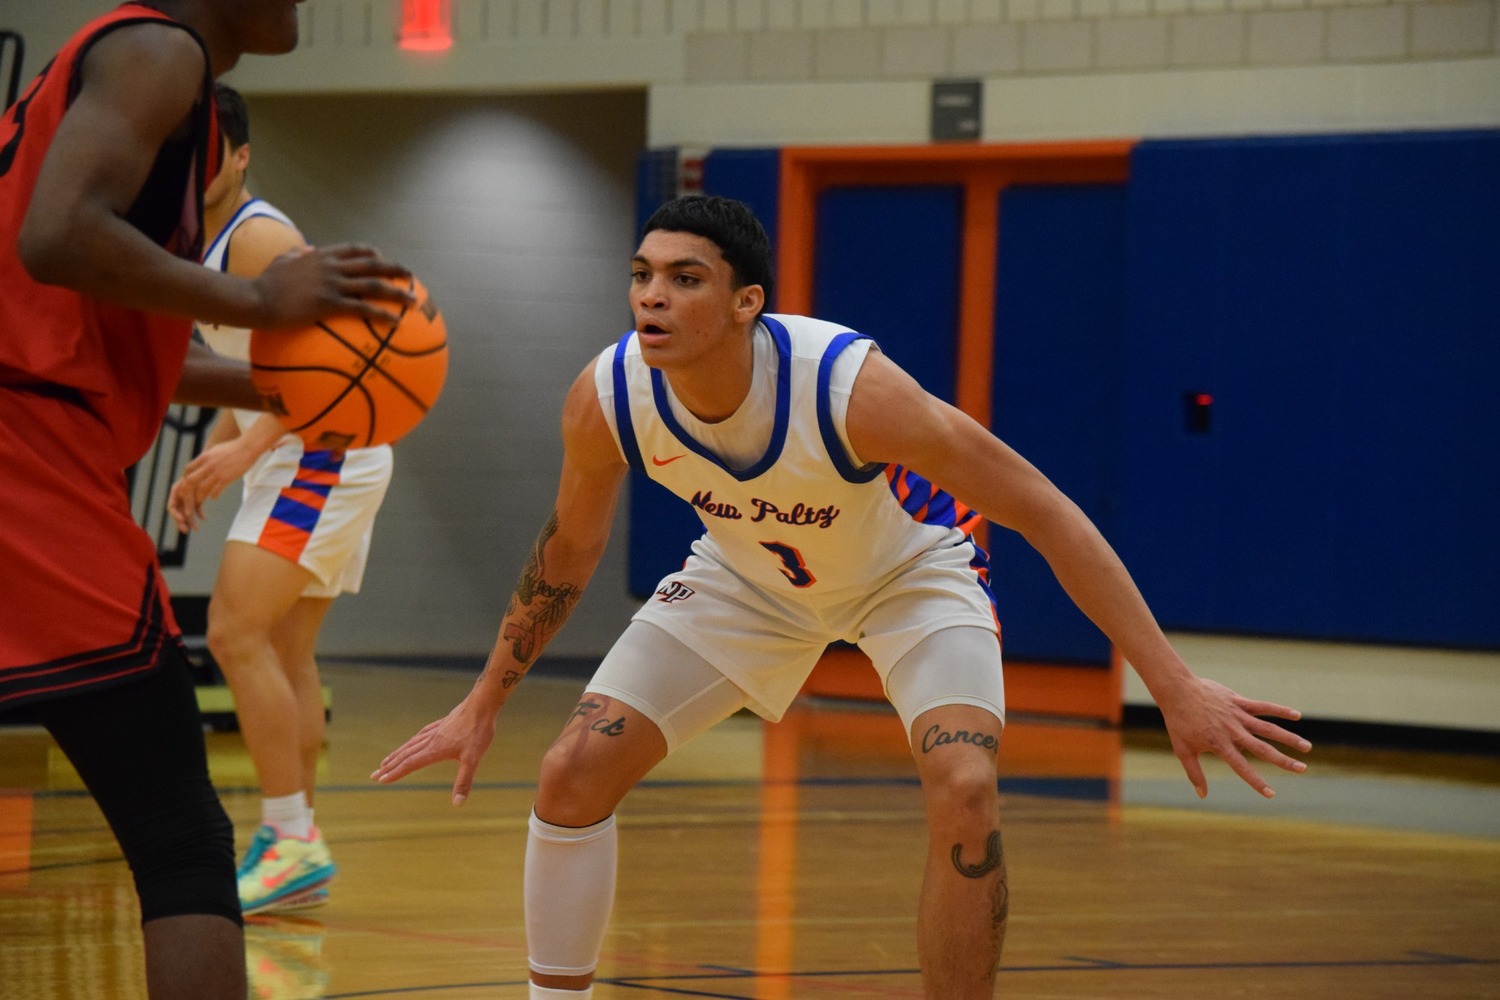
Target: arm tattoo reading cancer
(538, 608)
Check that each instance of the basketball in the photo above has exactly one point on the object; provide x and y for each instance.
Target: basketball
(350, 382)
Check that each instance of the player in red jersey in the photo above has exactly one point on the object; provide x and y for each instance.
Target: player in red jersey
(103, 162)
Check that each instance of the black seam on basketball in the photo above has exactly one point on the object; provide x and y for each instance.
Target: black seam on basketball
(401, 388)
(369, 408)
(352, 380)
(439, 348)
(383, 340)
(369, 363)
(356, 380)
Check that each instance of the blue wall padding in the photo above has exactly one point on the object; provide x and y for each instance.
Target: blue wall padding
(1340, 299)
(655, 182)
(887, 264)
(1059, 294)
(752, 176)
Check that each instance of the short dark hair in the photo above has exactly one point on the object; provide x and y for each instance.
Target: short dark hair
(234, 116)
(729, 225)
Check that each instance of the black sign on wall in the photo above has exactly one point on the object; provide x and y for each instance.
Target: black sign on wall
(955, 110)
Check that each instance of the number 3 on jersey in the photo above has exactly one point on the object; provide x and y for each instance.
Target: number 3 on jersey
(792, 566)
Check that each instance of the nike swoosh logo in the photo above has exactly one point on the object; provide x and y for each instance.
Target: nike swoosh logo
(272, 881)
(666, 461)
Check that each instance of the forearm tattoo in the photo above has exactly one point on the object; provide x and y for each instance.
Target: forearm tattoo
(538, 608)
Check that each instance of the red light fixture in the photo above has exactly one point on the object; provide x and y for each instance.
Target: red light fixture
(426, 25)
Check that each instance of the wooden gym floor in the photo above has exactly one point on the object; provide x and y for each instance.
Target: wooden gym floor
(777, 862)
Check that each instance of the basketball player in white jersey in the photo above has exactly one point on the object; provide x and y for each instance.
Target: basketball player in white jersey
(811, 460)
(300, 538)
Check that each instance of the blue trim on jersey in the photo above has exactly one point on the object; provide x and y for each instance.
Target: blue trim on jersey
(920, 491)
(926, 502)
(778, 429)
(851, 472)
(623, 424)
(980, 564)
(228, 231)
(941, 509)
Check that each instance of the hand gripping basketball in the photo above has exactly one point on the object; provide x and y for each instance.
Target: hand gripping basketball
(351, 381)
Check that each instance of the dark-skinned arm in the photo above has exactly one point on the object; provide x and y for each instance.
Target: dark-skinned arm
(138, 86)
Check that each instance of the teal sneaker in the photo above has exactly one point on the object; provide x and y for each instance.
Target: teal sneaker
(284, 872)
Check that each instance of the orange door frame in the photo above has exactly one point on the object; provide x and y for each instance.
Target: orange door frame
(983, 171)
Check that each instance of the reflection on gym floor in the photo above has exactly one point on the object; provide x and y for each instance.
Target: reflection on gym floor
(776, 862)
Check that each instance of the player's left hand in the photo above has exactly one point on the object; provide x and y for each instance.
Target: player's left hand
(1204, 716)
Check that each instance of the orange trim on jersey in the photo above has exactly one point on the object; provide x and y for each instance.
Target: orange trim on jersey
(963, 517)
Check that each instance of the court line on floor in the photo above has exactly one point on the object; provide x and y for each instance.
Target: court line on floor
(1075, 963)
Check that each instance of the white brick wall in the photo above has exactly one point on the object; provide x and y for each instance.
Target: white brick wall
(917, 51)
(1208, 40)
(781, 55)
(585, 39)
(1132, 43)
(987, 50)
(847, 54)
(1368, 33)
(1056, 46)
(1452, 29)
(718, 57)
(1287, 37)
(514, 46)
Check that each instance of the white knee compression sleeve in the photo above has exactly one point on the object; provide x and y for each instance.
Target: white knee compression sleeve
(570, 887)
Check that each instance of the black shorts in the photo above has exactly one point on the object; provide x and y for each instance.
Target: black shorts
(139, 748)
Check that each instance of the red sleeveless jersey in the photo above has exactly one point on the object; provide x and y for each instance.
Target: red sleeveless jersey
(84, 385)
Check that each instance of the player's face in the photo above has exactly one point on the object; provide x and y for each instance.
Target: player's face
(685, 300)
(262, 27)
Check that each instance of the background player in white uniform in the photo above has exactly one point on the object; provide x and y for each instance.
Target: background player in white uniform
(300, 539)
(739, 414)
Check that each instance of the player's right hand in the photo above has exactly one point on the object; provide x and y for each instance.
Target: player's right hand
(185, 505)
(464, 735)
(305, 285)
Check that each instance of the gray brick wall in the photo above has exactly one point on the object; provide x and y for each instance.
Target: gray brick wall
(915, 39)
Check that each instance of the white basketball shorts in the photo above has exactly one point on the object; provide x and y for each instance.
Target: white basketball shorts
(766, 644)
(316, 508)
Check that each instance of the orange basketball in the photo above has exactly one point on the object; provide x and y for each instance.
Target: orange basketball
(350, 382)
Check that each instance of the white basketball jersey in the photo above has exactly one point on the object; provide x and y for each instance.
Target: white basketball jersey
(233, 341)
(803, 518)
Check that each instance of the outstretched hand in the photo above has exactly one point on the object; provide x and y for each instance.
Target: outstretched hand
(311, 283)
(460, 735)
(1204, 716)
